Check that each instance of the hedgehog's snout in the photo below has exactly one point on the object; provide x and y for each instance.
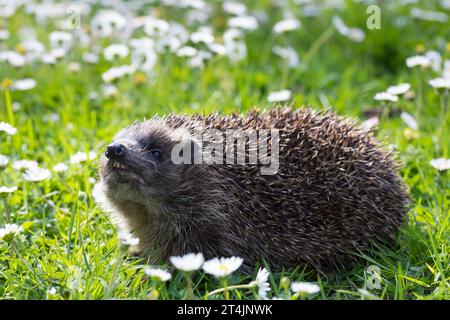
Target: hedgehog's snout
(115, 151)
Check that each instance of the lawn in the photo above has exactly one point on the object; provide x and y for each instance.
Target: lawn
(66, 91)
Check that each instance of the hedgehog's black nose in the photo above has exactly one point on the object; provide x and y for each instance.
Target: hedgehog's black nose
(115, 151)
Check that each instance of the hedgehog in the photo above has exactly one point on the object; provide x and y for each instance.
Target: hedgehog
(334, 192)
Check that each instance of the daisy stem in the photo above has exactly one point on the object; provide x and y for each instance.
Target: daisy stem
(267, 46)
(9, 108)
(446, 188)
(64, 183)
(26, 264)
(116, 267)
(317, 44)
(154, 293)
(189, 288)
(385, 113)
(444, 176)
(442, 100)
(299, 296)
(7, 211)
(284, 77)
(286, 291)
(226, 289)
(419, 100)
(25, 196)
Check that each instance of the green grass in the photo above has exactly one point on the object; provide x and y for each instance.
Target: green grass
(70, 244)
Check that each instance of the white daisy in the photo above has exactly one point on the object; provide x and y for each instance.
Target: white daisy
(409, 120)
(117, 72)
(115, 51)
(10, 231)
(144, 43)
(217, 48)
(51, 117)
(168, 43)
(222, 267)
(304, 287)
(189, 262)
(370, 123)
(232, 35)
(235, 8)
(73, 66)
(107, 23)
(99, 195)
(399, 89)
(82, 157)
(60, 167)
(418, 61)
(236, 50)
(286, 25)
(4, 191)
(7, 128)
(158, 274)
(58, 53)
(195, 17)
(24, 164)
(198, 61)
(279, 96)
(4, 34)
(156, 27)
(90, 57)
(446, 69)
(48, 58)
(203, 35)
(51, 291)
(187, 51)
(36, 174)
(24, 84)
(384, 96)
(33, 49)
(93, 95)
(4, 160)
(289, 54)
(243, 22)
(194, 4)
(180, 32)
(435, 59)
(445, 4)
(262, 283)
(436, 16)
(61, 39)
(13, 58)
(354, 34)
(8, 8)
(144, 60)
(440, 83)
(440, 164)
(340, 25)
(127, 239)
(109, 90)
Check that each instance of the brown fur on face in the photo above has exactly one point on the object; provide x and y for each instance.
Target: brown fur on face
(335, 194)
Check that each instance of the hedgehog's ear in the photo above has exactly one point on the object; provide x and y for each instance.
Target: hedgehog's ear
(187, 151)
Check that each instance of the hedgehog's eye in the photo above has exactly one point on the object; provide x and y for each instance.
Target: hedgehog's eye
(156, 153)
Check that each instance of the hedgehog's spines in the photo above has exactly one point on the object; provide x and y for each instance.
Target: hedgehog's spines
(336, 193)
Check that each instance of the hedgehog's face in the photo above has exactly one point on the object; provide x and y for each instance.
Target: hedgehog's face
(137, 165)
